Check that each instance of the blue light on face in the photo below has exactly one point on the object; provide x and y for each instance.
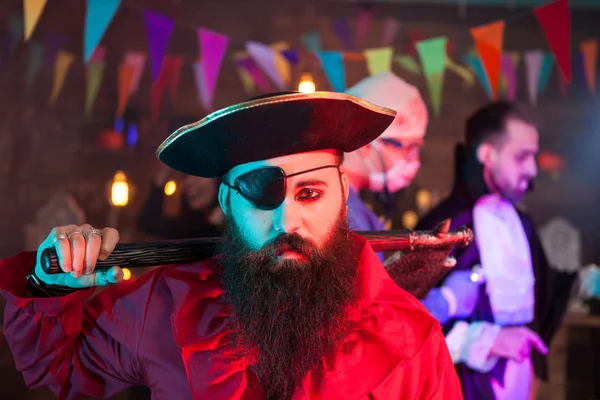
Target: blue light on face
(132, 135)
(119, 125)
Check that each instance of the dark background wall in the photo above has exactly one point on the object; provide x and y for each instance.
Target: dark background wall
(45, 149)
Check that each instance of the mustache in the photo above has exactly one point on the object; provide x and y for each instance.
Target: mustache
(289, 242)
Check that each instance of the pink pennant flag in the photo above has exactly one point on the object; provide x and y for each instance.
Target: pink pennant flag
(533, 64)
(99, 54)
(265, 57)
(390, 29)
(201, 91)
(363, 21)
(510, 74)
(213, 47)
(259, 78)
(136, 60)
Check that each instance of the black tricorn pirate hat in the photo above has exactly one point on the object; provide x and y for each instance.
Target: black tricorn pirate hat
(272, 126)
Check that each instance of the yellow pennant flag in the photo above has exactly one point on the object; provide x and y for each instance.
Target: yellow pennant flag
(63, 61)
(379, 60)
(95, 72)
(32, 10)
(246, 79)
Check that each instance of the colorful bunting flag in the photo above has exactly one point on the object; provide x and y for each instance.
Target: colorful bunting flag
(98, 15)
(125, 81)
(414, 36)
(408, 62)
(246, 78)
(174, 75)
(342, 31)
(248, 64)
(158, 29)
(291, 55)
(462, 72)
(158, 87)
(474, 62)
(390, 29)
(432, 53)
(199, 78)
(213, 47)
(62, 64)
(271, 62)
(379, 60)
(95, 73)
(488, 41)
(136, 60)
(32, 11)
(509, 72)
(555, 20)
(363, 21)
(36, 50)
(533, 64)
(311, 41)
(589, 50)
(333, 65)
(545, 72)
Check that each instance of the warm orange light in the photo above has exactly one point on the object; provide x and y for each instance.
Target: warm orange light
(126, 274)
(170, 188)
(307, 85)
(119, 194)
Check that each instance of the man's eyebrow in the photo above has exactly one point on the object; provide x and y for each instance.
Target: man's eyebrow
(311, 182)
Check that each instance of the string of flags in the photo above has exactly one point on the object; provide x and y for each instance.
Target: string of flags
(268, 67)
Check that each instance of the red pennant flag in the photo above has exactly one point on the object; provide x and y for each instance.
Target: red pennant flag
(488, 41)
(175, 73)
(555, 20)
(158, 87)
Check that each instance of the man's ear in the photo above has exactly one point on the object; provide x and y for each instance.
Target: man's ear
(223, 195)
(486, 153)
(345, 185)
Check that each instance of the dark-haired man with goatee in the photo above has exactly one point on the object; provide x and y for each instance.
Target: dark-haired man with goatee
(293, 306)
(502, 303)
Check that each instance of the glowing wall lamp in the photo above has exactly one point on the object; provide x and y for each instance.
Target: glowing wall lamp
(307, 85)
(119, 193)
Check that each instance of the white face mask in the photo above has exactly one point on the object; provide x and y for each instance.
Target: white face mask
(398, 177)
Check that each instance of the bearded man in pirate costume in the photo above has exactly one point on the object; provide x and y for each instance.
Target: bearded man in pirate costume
(501, 304)
(294, 305)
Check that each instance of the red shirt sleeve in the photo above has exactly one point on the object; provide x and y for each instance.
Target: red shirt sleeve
(74, 346)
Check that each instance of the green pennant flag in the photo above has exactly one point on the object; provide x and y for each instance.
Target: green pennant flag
(432, 53)
(95, 72)
(409, 63)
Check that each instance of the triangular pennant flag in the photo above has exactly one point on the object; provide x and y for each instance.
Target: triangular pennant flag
(462, 72)
(589, 50)
(390, 29)
(475, 64)
(379, 60)
(333, 65)
(158, 88)
(98, 15)
(342, 31)
(32, 11)
(136, 60)
(555, 20)
(509, 73)
(533, 64)
(488, 41)
(174, 75)
(158, 29)
(126, 75)
(201, 90)
(408, 62)
(545, 72)
(291, 55)
(36, 50)
(246, 79)
(54, 43)
(363, 21)
(62, 64)
(311, 41)
(433, 59)
(99, 54)
(213, 47)
(95, 73)
(248, 64)
(269, 61)
(15, 27)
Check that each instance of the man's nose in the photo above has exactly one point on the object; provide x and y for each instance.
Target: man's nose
(286, 218)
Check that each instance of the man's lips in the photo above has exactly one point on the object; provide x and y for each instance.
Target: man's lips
(288, 251)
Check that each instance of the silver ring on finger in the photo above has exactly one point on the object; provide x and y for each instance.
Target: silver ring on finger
(70, 235)
(59, 237)
(93, 232)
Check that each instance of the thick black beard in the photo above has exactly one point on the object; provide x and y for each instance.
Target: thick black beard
(289, 315)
